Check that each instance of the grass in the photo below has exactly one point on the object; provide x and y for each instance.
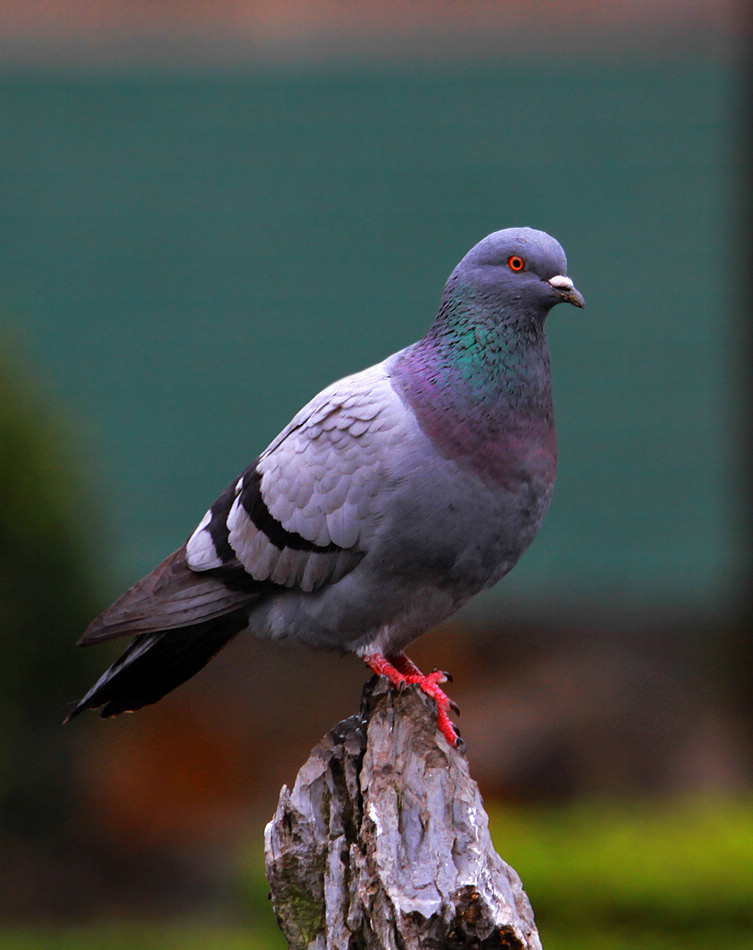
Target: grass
(140, 936)
(600, 876)
(655, 876)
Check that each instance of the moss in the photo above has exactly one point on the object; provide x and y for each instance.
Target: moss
(302, 914)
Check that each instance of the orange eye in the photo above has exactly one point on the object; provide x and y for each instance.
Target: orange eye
(516, 263)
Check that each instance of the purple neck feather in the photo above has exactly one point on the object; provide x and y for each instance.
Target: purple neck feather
(481, 390)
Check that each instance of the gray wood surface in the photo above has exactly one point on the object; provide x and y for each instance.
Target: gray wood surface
(383, 841)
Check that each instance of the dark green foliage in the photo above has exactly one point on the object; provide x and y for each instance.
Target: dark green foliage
(45, 602)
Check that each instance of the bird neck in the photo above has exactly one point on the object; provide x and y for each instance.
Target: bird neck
(481, 390)
(481, 353)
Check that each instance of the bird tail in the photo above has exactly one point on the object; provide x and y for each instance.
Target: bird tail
(180, 618)
(153, 664)
(173, 596)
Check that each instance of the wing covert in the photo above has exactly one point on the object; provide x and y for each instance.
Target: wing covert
(303, 513)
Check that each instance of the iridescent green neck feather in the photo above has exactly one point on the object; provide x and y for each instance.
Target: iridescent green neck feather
(479, 385)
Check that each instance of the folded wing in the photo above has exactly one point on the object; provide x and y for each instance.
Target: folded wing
(300, 516)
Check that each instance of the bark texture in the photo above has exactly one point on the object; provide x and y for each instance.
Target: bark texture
(383, 843)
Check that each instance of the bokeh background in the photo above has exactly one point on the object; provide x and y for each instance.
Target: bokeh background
(210, 211)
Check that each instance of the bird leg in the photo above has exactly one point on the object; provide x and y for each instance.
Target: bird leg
(401, 671)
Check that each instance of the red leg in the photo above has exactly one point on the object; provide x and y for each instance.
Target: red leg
(400, 670)
(403, 664)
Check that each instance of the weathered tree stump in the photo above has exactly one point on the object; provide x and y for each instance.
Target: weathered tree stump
(383, 843)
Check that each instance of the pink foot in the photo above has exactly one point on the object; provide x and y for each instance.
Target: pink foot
(400, 670)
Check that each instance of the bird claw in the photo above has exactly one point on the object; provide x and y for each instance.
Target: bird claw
(447, 728)
(403, 672)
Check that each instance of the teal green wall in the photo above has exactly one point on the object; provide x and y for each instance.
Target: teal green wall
(188, 259)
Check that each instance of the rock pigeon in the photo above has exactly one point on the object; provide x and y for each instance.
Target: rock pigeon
(393, 497)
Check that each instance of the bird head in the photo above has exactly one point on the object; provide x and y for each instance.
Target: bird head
(521, 271)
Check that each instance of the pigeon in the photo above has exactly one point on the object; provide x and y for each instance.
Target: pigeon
(389, 500)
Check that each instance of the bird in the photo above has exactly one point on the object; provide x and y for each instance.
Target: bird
(390, 499)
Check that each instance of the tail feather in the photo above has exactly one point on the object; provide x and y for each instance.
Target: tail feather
(173, 597)
(153, 664)
(179, 619)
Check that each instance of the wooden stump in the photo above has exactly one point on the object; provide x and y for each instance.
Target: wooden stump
(384, 842)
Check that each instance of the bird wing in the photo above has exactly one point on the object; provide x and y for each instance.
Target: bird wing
(302, 514)
(299, 516)
(172, 596)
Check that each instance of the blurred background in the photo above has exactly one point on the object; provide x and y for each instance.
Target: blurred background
(210, 211)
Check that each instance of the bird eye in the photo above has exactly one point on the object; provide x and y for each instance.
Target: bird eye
(516, 263)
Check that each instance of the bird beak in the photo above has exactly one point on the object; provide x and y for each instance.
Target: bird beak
(567, 290)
